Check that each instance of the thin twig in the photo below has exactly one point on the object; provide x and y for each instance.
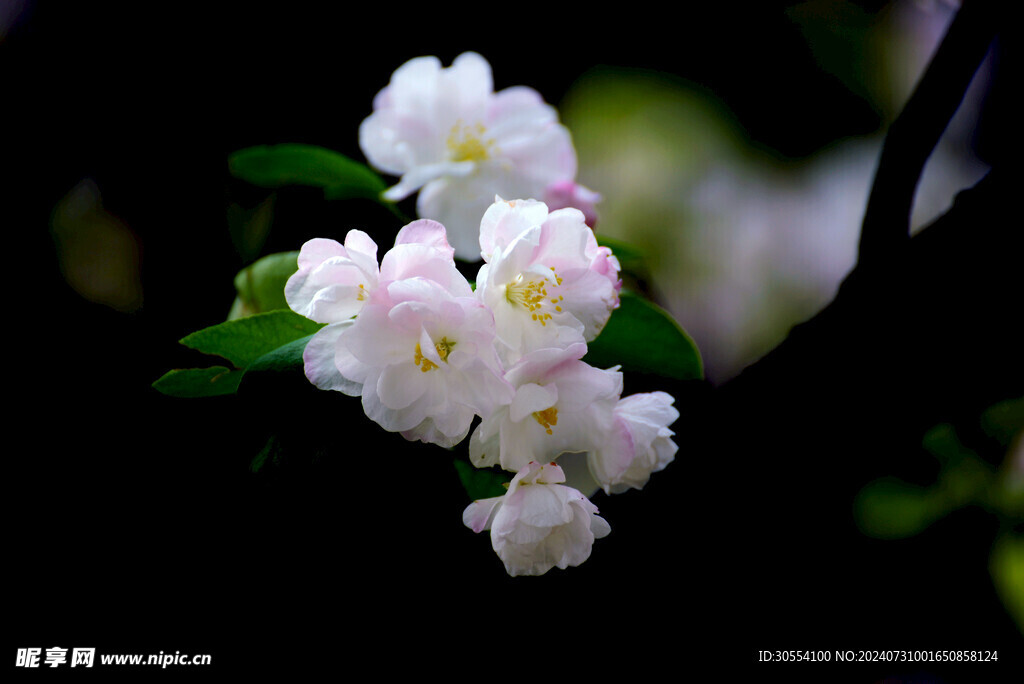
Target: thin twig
(916, 131)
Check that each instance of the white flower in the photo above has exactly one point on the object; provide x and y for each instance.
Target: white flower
(334, 281)
(547, 280)
(539, 523)
(640, 443)
(422, 360)
(561, 404)
(420, 350)
(450, 136)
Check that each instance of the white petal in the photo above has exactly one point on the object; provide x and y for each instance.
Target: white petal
(418, 176)
(441, 430)
(400, 385)
(469, 82)
(319, 361)
(532, 397)
(392, 420)
(458, 203)
(653, 408)
(425, 232)
(599, 526)
(504, 220)
(613, 456)
(375, 341)
(423, 261)
(483, 448)
(546, 506)
(518, 111)
(479, 514)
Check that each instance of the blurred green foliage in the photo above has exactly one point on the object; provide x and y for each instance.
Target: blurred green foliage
(892, 509)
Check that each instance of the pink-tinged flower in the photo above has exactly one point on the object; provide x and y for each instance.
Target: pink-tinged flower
(561, 404)
(334, 281)
(421, 358)
(547, 280)
(448, 135)
(640, 443)
(568, 194)
(539, 523)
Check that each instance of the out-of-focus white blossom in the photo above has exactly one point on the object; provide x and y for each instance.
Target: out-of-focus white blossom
(539, 523)
(448, 135)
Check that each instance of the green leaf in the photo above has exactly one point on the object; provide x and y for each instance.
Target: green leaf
(633, 268)
(1004, 421)
(199, 382)
(249, 226)
(285, 358)
(270, 453)
(943, 442)
(1006, 565)
(260, 285)
(623, 251)
(481, 483)
(893, 509)
(642, 337)
(275, 166)
(244, 340)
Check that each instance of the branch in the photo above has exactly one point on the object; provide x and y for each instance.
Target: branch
(916, 131)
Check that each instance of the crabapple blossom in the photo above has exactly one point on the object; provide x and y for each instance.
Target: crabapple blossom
(560, 404)
(333, 280)
(539, 523)
(421, 358)
(448, 135)
(547, 280)
(639, 443)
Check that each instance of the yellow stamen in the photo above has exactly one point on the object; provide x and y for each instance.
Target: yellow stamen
(547, 418)
(424, 363)
(466, 143)
(532, 295)
(443, 348)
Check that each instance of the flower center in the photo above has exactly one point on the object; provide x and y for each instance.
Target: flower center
(533, 296)
(467, 143)
(547, 418)
(443, 348)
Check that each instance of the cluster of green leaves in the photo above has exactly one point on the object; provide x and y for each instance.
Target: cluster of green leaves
(260, 342)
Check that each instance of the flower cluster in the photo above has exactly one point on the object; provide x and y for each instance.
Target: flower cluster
(450, 137)
(428, 353)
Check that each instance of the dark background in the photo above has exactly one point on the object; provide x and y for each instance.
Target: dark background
(134, 522)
